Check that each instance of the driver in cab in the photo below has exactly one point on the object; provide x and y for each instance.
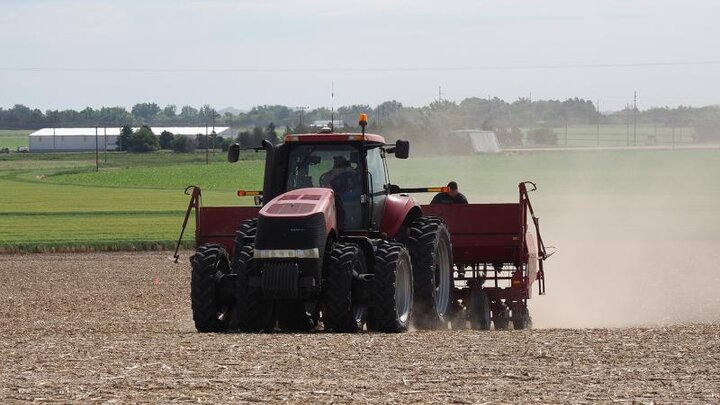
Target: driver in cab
(341, 177)
(345, 182)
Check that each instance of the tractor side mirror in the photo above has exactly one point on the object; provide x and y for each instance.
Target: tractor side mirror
(234, 153)
(402, 149)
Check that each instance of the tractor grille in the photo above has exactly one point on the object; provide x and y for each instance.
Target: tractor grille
(305, 232)
(280, 279)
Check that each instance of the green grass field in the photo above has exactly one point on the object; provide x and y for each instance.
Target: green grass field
(59, 201)
(571, 136)
(11, 138)
(620, 135)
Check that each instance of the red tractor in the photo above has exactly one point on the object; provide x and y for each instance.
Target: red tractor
(336, 243)
(333, 242)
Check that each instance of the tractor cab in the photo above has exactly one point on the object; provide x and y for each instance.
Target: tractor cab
(353, 165)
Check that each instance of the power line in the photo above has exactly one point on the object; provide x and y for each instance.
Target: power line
(351, 69)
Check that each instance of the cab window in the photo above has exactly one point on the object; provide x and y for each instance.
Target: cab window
(376, 168)
(332, 166)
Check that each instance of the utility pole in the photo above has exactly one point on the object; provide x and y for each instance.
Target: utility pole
(489, 108)
(97, 153)
(627, 124)
(673, 137)
(635, 111)
(655, 138)
(207, 150)
(598, 122)
(105, 133)
(439, 94)
(213, 132)
(332, 107)
(530, 114)
(301, 115)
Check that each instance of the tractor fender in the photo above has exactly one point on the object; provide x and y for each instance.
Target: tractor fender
(398, 210)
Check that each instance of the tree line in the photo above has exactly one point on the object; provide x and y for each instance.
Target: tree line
(469, 113)
(145, 140)
(393, 118)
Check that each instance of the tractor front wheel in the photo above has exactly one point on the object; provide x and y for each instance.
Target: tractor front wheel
(340, 313)
(209, 263)
(253, 313)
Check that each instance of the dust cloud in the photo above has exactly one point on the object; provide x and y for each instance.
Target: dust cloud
(637, 233)
(630, 261)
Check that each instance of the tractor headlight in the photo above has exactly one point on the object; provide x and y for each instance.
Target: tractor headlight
(313, 253)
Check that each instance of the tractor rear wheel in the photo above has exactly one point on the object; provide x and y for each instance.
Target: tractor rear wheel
(432, 263)
(253, 313)
(394, 290)
(210, 313)
(479, 310)
(340, 313)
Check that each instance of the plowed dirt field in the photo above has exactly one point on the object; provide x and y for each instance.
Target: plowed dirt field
(117, 327)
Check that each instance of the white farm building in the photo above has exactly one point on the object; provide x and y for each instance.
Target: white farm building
(85, 139)
(481, 141)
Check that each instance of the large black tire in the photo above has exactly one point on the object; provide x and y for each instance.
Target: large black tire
(521, 318)
(253, 313)
(246, 228)
(431, 254)
(209, 312)
(479, 310)
(393, 300)
(340, 314)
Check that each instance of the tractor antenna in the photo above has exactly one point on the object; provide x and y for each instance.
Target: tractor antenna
(332, 107)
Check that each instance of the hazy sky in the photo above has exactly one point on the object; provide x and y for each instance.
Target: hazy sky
(77, 53)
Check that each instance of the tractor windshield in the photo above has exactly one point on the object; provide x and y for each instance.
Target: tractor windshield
(332, 166)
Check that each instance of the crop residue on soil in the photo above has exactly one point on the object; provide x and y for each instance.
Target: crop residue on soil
(117, 326)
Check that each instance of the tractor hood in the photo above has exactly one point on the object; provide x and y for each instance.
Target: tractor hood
(303, 203)
(290, 240)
